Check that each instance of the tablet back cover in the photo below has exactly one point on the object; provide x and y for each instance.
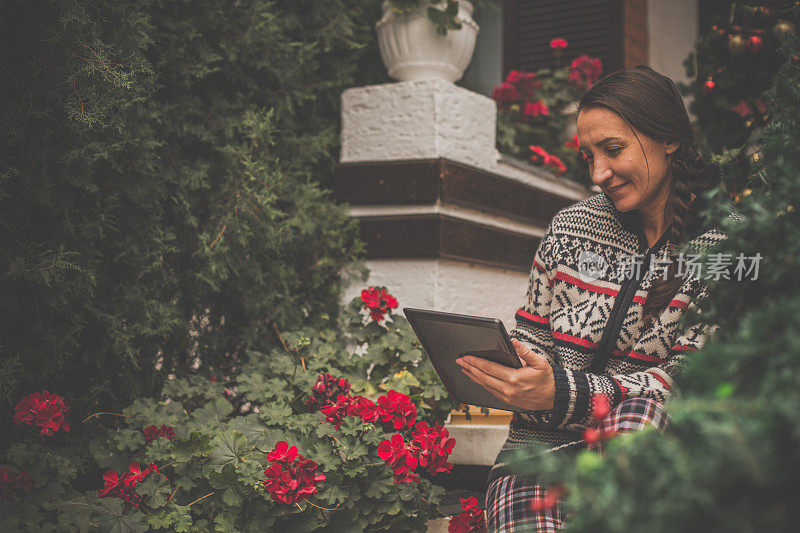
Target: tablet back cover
(447, 336)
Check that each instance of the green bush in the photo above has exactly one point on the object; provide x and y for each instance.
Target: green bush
(162, 185)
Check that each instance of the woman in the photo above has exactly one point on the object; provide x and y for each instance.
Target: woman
(606, 290)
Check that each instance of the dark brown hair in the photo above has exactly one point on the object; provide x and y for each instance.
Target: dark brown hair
(651, 103)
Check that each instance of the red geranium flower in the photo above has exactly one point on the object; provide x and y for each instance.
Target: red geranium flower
(326, 390)
(378, 302)
(574, 143)
(42, 409)
(534, 109)
(556, 163)
(709, 86)
(363, 408)
(539, 153)
(124, 487)
(471, 520)
(514, 76)
(584, 72)
(397, 410)
(558, 44)
(432, 447)
(282, 454)
(13, 483)
(397, 457)
(291, 477)
(505, 92)
(357, 406)
(152, 432)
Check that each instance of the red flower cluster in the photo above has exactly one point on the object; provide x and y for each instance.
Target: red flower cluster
(471, 520)
(378, 302)
(290, 477)
(428, 449)
(326, 390)
(540, 155)
(574, 143)
(432, 447)
(558, 44)
(123, 486)
(399, 459)
(709, 86)
(534, 109)
(601, 407)
(518, 87)
(13, 483)
(345, 405)
(152, 432)
(584, 72)
(42, 409)
(396, 410)
(548, 502)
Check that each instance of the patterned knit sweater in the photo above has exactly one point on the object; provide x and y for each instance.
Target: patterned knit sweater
(587, 320)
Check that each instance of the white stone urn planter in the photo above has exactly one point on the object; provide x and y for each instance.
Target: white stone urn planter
(411, 48)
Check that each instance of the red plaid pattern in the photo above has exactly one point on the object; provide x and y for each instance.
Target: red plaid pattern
(508, 499)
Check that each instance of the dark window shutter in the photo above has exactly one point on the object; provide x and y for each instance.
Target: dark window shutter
(592, 27)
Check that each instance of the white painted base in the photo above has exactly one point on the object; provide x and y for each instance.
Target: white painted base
(431, 119)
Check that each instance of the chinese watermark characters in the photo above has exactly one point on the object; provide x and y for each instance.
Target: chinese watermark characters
(716, 266)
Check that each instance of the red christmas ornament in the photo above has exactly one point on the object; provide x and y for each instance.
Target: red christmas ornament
(709, 86)
(755, 44)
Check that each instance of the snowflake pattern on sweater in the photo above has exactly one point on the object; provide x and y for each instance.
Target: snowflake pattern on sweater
(565, 313)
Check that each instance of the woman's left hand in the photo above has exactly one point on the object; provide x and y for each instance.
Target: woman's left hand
(531, 387)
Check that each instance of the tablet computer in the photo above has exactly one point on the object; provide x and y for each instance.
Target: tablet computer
(447, 336)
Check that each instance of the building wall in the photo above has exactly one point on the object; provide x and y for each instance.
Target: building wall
(635, 44)
(673, 29)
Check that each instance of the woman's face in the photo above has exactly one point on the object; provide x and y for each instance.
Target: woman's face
(617, 161)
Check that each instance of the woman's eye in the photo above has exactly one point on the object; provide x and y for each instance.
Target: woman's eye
(614, 151)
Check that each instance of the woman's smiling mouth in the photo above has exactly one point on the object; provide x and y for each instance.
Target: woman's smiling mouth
(615, 189)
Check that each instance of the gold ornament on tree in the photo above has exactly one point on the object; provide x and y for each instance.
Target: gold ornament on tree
(782, 29)
(737, 43)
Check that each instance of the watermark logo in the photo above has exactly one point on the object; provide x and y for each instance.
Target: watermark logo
(717, 266)
(591, 266)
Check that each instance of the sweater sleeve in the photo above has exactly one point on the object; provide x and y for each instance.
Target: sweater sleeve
(574, 389)
(533, 318)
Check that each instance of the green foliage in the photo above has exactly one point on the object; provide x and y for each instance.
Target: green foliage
(162, 185)
(442, 13)
(730, 458)
(214, 467)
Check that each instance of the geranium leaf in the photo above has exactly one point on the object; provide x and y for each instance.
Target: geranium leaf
(156, 487)
(213, 413)
(228, 447)
(113, 518)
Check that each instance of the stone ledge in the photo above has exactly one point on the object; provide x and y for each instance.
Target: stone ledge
(476, 444)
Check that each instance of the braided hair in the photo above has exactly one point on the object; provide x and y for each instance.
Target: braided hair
(651, 103)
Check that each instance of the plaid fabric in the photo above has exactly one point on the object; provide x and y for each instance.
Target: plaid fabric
(508, 498)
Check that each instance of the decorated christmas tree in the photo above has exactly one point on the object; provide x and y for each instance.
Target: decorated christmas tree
(734, 62)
